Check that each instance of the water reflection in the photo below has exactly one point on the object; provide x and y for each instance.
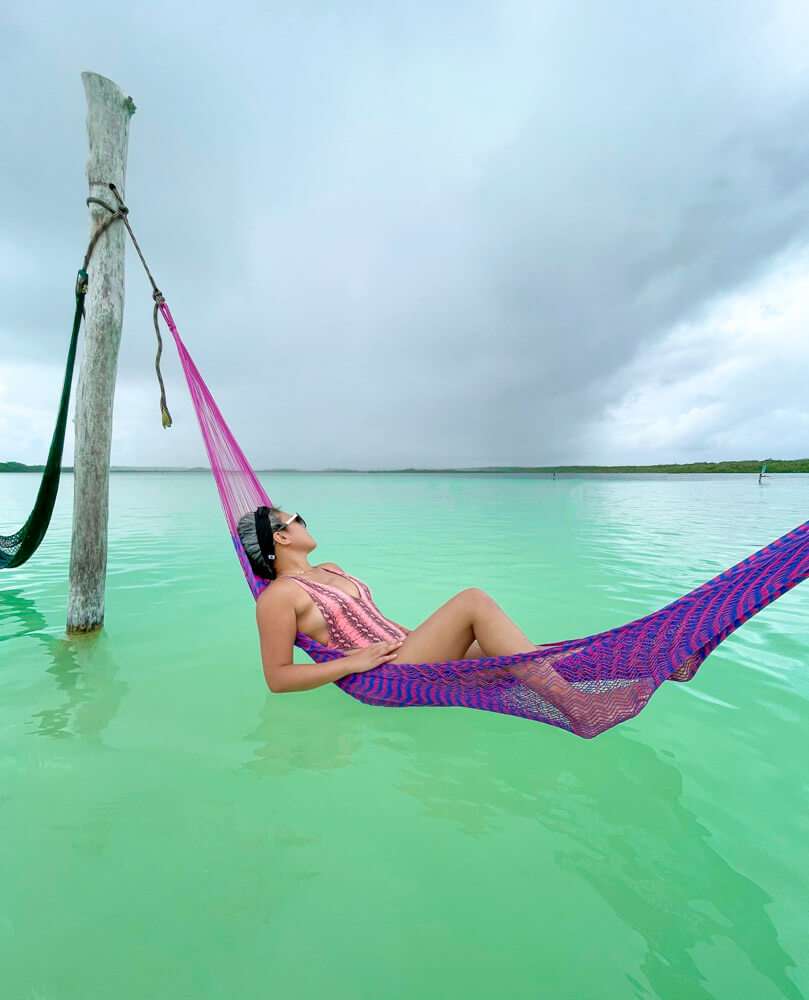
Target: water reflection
(310, 736)
(622, 826)
(84, 669)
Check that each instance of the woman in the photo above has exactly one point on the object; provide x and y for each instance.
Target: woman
(337, 610)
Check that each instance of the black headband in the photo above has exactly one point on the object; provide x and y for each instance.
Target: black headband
(264, 534)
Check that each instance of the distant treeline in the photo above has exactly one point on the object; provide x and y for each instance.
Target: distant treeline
(749, 465)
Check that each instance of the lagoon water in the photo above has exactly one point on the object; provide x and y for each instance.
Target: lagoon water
(172, 829)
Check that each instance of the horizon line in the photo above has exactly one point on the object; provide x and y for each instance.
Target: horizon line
(651, 466)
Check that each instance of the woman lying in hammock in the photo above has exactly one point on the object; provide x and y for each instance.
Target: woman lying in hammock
(337, 610)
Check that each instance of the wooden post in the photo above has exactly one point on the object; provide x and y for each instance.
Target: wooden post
(108, 114)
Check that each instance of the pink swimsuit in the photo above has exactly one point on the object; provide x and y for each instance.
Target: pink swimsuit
(351, 621)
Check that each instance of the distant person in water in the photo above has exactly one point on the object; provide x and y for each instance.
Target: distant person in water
(337, 610)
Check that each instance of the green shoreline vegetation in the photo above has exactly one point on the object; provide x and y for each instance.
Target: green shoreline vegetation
(745, 466)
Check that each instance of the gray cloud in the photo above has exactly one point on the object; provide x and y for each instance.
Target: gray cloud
(433, 235)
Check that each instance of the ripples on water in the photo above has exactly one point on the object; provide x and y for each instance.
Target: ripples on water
(155, 792)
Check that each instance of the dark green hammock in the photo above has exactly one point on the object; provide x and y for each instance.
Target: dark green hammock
(18, 548)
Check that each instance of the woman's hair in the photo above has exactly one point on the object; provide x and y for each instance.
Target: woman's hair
(249, 535)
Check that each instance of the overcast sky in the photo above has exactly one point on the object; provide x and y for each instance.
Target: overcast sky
(425, 234)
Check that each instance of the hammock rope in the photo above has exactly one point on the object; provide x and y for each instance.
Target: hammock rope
(157, 295)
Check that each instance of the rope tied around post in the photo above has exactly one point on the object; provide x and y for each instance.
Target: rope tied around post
(122, 213)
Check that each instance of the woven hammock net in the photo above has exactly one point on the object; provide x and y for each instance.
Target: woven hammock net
(17, 548)
(618, 669)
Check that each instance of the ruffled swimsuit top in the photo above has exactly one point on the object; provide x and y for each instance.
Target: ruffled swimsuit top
(351, 621)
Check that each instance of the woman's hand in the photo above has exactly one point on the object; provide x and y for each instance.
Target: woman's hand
(363, 658)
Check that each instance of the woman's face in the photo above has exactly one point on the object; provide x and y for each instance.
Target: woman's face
(296, 533)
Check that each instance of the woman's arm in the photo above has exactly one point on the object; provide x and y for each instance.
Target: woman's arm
(277, 626)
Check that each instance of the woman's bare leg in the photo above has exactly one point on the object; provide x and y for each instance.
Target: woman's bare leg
(588, 712)
(497, 635)
(473, 618)
(474, 652)
(469, 617)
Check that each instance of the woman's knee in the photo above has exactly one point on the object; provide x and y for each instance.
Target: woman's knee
(474, 596)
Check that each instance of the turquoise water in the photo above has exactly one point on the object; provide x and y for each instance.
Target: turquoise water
(171, 829)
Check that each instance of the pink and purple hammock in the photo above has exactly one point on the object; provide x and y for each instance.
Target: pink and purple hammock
(669, 644)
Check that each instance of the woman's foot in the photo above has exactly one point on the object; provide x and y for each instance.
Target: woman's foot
(591, 714)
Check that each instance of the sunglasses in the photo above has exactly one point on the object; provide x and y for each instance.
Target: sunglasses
(295, 517)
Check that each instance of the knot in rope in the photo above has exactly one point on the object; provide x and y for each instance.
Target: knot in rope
(122, 212)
